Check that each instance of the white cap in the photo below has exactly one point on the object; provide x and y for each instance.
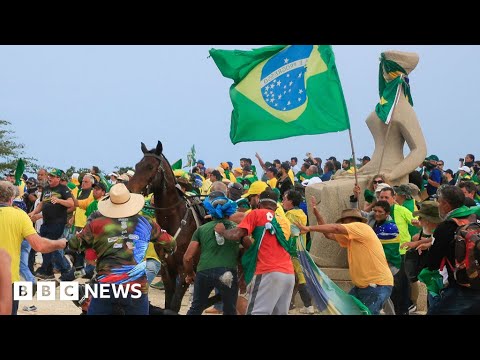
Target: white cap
(314, 180)
(465, 168)
(130, 172)
(381, 186)
(113, 174)
(75, 175)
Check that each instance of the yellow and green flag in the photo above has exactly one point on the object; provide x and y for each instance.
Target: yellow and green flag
(390, 90)
(282, 91)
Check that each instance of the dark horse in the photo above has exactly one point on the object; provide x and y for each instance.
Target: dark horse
(173, 212)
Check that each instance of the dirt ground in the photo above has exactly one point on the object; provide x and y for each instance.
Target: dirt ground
(67, 307)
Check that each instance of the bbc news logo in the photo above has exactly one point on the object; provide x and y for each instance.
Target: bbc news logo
(69, 290)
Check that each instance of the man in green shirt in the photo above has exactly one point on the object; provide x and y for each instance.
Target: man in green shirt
(217, 267)
(99, 190)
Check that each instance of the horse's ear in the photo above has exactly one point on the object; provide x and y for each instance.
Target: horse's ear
(144, 148)
(159, 148)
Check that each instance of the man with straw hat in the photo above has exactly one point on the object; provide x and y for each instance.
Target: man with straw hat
(120, 239)
(371, 276)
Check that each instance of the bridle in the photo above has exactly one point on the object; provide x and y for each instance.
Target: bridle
(163, 185)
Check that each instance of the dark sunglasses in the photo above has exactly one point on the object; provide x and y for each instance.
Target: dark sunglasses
(378, 182)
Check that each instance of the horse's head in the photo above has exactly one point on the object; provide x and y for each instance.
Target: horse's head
(147, 169)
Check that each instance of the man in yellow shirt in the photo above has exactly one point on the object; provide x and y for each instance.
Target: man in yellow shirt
(15, 225)
(371, 276)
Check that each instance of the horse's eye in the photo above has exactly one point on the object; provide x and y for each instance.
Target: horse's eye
(150, 167)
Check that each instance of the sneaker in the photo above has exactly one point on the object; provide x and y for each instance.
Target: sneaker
(158, 285)
(68, 275)
(307, 310)
(212, 310)
(29, 308)
(412, 308)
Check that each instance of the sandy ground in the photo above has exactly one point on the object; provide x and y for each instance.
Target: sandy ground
(67, 307)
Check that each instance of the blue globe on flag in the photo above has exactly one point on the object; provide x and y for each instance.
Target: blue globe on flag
(283, 78)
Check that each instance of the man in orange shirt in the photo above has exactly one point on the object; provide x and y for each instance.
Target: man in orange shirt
(371, 276)
(267, 263)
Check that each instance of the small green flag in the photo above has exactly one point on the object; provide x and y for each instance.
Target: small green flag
(19, 172)
(177, 165)
(282, 91)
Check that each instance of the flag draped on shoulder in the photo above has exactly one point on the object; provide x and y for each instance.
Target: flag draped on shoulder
(282, 91)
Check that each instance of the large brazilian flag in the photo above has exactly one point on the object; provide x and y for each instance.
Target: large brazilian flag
(282, 91)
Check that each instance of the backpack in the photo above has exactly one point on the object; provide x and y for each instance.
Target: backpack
(467, 255)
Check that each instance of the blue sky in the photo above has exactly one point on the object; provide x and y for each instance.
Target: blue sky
(93, 105)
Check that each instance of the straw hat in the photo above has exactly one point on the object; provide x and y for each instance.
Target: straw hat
(351, 213)
(121, 203)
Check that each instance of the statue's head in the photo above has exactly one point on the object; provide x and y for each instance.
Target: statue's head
(407, 60)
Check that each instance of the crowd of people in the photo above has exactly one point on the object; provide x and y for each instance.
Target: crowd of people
(89, 226)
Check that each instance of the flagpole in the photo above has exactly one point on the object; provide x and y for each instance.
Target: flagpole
(354, 162)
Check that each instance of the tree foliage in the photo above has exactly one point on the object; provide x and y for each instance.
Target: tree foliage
(11, 151)
(123, 169)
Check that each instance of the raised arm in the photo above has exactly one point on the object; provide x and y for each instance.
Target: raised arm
(262, 164)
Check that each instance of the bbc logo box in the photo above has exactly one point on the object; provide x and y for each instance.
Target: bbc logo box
(69, 290)
(46, 290)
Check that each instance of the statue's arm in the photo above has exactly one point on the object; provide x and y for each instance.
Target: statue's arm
(412, 133)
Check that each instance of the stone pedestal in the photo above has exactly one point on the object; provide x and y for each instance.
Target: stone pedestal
(332, 197)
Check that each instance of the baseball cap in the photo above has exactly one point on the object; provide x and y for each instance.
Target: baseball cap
(364, 158)
(382, 186)
(256, 188)
(56, 172)
(32, 180)
(465, 168)
(201, 162)
(333, 158)
(123, 177)
(432, 157)
(101, 186)
(273, 169)
(286, 165)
